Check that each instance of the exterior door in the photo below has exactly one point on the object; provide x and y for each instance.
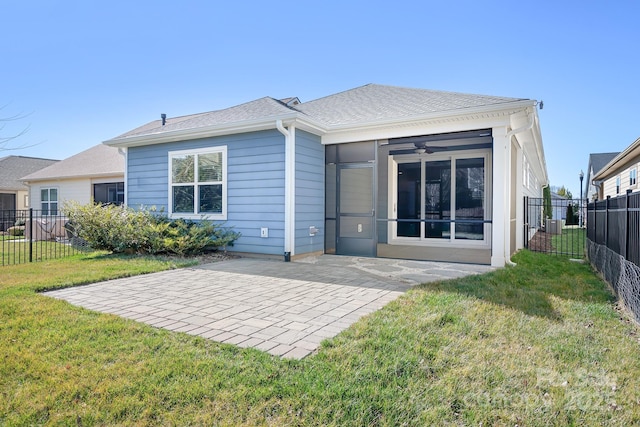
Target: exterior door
(7, 211)
(356, 228)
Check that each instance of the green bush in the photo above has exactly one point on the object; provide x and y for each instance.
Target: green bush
(121, 229)
(15, 231)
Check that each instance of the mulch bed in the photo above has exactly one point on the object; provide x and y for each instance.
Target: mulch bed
(540, 242)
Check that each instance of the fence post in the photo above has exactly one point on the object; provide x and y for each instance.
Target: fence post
(606, 222)
(30, 234)
(626, 224)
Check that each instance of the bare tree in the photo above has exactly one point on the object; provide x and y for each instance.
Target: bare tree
(7, 143)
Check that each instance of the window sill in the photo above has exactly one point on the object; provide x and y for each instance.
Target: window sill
(199, 217)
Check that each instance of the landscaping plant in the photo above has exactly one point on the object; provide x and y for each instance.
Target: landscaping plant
(120, 229)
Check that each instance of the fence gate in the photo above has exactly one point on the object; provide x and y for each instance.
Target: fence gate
(557, 227)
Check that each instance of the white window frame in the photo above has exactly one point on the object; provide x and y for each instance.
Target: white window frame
(196, 196)
(633, 177)
(618, 184)
(48, 202)
(452, 156)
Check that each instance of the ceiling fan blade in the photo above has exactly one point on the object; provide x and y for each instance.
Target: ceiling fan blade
(399, 152)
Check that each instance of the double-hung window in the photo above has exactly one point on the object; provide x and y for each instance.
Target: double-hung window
(617, 185)
(49, 201)
(633, 177)
(197, 183)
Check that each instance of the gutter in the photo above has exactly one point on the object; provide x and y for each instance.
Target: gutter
(618, 161)
(125, 153)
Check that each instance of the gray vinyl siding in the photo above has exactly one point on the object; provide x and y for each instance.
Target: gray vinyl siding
(309, 192)
(255, 184)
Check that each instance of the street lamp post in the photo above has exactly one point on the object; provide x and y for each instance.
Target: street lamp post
(580, 202)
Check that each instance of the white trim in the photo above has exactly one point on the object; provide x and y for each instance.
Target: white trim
(195, 215)
(500, 220)
(125, 152)
(289, 186)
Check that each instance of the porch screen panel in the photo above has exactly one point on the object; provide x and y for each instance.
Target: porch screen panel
(469, 198)
(437, 205)
(409, 192)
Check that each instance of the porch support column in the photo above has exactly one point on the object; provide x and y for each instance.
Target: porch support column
(519, 183)
(501, 189)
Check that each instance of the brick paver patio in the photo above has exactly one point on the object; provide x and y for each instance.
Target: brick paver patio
(286, 309)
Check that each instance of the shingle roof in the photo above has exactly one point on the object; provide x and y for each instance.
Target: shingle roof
(12, 168)
(100, 160)
(600, 160)
(260, 108)
(374, 102)
(361, 105)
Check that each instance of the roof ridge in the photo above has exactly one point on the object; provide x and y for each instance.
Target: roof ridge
(26, 157)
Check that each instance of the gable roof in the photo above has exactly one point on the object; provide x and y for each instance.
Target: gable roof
(600, 160)
(12, 168)
(364, 105)
(99, 160)
(629, 155)
(373, 102)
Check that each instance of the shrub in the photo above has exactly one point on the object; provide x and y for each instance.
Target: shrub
(121, 229)
(17, 230)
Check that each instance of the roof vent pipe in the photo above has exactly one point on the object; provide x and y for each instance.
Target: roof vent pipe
(163, 116)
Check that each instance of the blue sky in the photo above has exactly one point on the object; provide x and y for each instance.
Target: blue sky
(82, 72)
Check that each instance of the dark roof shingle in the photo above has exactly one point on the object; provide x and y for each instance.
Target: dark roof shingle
(12, 168)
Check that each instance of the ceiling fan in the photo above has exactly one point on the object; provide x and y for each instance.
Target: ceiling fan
(421, 147)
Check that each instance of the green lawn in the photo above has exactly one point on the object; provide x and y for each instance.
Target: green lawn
(536, 344)
(571, 242)
(16, 250)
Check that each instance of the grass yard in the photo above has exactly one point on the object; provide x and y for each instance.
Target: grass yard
(571, 242)
(16, 251)
(537, 344)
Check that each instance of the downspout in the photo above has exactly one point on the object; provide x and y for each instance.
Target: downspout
(289, 188)
(512, 132)
(124, 153)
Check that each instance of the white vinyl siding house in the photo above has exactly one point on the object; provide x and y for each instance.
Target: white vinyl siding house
(620, 174)
(372, 171)
(96, 174)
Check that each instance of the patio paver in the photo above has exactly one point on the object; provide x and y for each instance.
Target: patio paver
(286, 309)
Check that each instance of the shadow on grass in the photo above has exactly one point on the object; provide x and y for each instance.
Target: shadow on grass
(529, 286)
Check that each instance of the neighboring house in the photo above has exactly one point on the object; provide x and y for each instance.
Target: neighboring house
(14, 194)
(559, 206)
(96, 174)
(597, 161)
(620, 173)
(373, 171)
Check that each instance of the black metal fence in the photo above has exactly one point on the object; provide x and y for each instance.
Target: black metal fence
(613, 242)
(555, 227)
(36, 235)
(615, 223)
